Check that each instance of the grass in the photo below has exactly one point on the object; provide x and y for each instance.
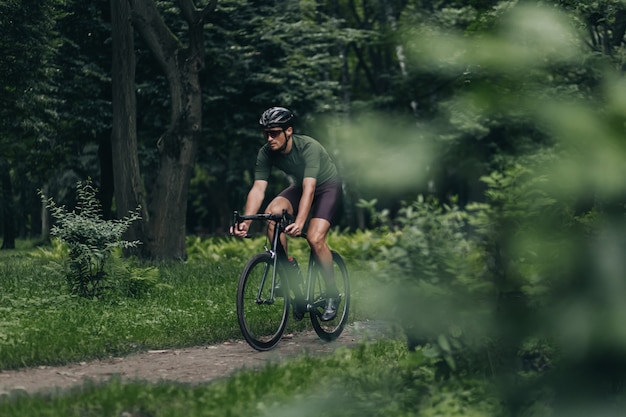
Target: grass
(194, 304)
(42, 324)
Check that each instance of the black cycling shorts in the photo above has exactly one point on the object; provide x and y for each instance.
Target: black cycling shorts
(325, 200)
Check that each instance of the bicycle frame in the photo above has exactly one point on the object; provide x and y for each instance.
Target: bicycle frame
(276, 250)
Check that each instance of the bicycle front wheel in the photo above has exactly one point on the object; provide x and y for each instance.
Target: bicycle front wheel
(330, 330)
(261, 313)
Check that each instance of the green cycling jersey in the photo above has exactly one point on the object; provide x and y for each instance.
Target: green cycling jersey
(307, 159)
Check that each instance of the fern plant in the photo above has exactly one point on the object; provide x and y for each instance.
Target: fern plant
(90, 239)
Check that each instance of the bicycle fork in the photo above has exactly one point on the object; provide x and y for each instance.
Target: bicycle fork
(259, 299)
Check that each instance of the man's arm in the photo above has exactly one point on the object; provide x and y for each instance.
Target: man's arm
(256, 195)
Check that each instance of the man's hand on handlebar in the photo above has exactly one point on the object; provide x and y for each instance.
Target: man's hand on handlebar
(294, 229)
(239, 229)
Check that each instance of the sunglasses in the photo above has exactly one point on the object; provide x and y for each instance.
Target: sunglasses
(273, 133)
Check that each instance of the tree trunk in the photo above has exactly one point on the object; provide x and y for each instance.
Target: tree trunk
(177, 149)
(8, 241)
(126, 173)
(168, 203)
(178, 145)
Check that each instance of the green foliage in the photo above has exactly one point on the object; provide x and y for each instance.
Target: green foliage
(518, 207)
(236, 250)
(90, 239)
(126, 277)
(529, 131)
(435, 280)
(493, 280)
(129, 278)
(430, 245)
(227, 249)
(474, 272)
(360, 246)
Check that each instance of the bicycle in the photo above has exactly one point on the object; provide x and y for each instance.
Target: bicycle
(270, 283)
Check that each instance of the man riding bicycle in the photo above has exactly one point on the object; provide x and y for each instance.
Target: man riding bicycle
(315, 193)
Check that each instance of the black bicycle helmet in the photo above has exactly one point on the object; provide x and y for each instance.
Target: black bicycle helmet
(276, 117)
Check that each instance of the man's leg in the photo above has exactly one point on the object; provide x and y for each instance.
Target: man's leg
(316, 236)
(277, 205)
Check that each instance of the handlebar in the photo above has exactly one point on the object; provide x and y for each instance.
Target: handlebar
(284, 219)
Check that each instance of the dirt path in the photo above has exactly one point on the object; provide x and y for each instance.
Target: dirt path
(188, 365)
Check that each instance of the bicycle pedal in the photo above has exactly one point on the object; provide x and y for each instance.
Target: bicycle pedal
(330, 310)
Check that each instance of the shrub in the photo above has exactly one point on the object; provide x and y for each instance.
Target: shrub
(468, 283)
(436, 279)
(90, 239)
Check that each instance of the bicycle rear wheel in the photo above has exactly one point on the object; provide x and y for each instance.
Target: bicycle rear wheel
(262, 315)
(330, 330)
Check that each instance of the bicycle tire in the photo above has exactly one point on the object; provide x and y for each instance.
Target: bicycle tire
(262, 320)
(330, 330)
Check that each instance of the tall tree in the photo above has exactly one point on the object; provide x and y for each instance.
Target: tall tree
(164, 212)
(126, 172)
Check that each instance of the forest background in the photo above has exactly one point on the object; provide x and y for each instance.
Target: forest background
(175, 129)
(481, 145)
